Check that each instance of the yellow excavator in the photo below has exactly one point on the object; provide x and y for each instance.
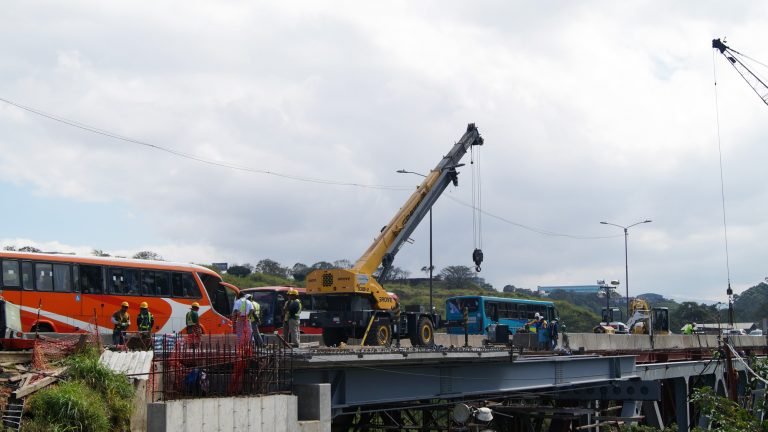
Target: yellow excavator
(351, 303)
(647, 320)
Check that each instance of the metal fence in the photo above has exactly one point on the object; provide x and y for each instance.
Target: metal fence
(190, 366)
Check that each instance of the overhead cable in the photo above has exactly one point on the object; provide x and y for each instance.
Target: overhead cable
(217, 163)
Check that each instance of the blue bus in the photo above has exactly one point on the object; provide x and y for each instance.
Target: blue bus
(484, 311)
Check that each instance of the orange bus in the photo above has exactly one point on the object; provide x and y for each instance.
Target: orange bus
(67, 293)
(271, 300)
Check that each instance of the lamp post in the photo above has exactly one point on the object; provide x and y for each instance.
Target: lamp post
(626, 263)
(431, 267)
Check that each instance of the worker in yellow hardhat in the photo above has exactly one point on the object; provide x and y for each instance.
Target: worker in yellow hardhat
(121, 320)
(291, 312)
(193, 322)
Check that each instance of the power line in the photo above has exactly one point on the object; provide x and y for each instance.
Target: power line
(228, 165)
(220, 164)
(526, 227)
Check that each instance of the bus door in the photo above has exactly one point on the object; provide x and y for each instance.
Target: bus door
(59, 309)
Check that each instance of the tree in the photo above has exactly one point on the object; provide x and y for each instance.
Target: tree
(9, 248)
(29, 249)
(342, 264)
(271, 267)
(426, 269)
(396, 273)
(322, 265)
(99, 253)
(148, 255)
(239, 271)
(457, 276)
(299, 272)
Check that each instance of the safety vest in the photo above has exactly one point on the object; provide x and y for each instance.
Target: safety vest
(255, 312)
(243, 306)
(192, 318)
(287, 307)
(122, 320)
(145, 321)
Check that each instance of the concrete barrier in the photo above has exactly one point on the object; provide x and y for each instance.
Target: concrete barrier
(277, 413)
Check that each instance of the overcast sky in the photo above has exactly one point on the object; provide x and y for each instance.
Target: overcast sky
(590, 111)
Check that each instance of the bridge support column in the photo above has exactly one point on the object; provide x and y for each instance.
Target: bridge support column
(629, 409)
(652, 414)
(681, 404)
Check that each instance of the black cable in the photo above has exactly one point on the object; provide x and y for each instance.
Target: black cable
(220, 164)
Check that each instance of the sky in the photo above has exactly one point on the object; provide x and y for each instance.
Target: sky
(590, 111)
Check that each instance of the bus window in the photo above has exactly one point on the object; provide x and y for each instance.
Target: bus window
(123, 281)
(91, 279)
(75, 278)
(183, 285)
(11, 274)
(162, 284)
(44, 279)
(62, 281)
(492, 310)
(155, 283)
(27, 276)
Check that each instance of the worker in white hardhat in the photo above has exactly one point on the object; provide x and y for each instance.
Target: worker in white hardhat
(240, 311)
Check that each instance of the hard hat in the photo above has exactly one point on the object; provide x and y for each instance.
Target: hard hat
(293, 292)
(195, 305)
(143, 305)
(537, 315)
(484, 414)
(124, 304)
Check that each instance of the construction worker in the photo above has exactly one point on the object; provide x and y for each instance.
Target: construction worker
(145, 321)
(255, 318)
(542, 333)
(687, 328)
(554, 332)
(530, 326)
(240, 311)
(291, 312)
(121, 320)
(193, 323)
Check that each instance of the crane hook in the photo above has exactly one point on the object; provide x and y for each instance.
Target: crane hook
(477, 257)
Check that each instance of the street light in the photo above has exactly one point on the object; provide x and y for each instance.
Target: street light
(431, 267)
(626, 264)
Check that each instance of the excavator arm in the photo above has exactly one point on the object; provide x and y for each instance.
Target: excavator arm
(734, 58)
(359, 279)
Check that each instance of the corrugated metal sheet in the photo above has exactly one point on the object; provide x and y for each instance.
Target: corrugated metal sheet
(135, 364)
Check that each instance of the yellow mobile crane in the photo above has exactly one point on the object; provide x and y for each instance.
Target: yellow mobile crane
(352, 303)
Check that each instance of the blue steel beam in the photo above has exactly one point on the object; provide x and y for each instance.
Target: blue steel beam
(387, 379)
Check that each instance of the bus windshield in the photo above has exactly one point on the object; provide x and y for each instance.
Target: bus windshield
(222, 297)
(455, 306)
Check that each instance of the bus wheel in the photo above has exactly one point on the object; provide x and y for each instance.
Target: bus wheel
(425, 333)
(334, 336)
(380, 334)
(42, 328)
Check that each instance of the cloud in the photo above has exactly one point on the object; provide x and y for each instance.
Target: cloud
(590, 112)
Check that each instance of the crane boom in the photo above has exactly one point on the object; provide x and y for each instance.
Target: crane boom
(359, 279)
(734, 58)
(398, 230)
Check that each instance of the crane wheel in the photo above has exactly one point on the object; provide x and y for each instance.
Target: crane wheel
(425, 333)
(380, 334)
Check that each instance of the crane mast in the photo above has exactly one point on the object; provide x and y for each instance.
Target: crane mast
(734, 58)
(359, 279)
